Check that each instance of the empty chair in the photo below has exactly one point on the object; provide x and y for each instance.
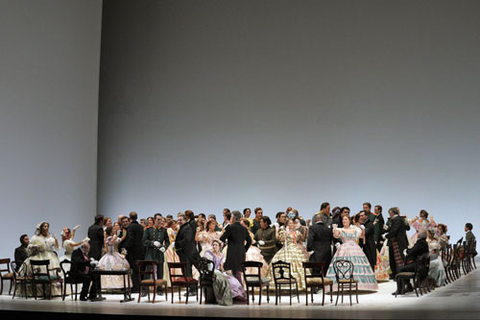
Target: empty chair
(5, 274)
(42, 274)
(282, 277)
(177, 272)
(344, 276)
(147, 271)
(253, 279)
(314, 278)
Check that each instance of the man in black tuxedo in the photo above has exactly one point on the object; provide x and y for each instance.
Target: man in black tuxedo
(80, 270)
(190, 216)
(367, 243)
(238, 243)
(95, 234)
(420, 247)
(319, 241)
(396, 229)
(185, 247)
(135, 248)
(21, 252)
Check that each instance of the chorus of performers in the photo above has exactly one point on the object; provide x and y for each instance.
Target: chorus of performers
(378, 248)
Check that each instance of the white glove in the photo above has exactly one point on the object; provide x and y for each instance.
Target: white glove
(76, 227)
(86, 240)
(156, 244)
(50, 241)
(385, 227)
(362, 227)
(337, 245)
(162, 249)
(261, 242)
(93, 262)
(405, 252)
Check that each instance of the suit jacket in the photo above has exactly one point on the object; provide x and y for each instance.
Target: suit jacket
(185, 243)
(369, 247)
(319, 241)
(95, 233)
(378, 228)
(149, 237)
(238, 243)
(134, 241)
(397, 230)
(269, 249)
(79, 264)
(420, 247)
(20, 256)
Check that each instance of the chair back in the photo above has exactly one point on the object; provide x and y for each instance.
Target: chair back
(312, 270)
(343, 270)
(252, 271)
(67, 274)
(147, 269)
(422, 266)
(173, 266)
(6, 269)
(281, 270)
(40, 270)
(206, 268)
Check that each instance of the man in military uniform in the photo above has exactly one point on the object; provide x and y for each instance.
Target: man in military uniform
(156, 242)
(266, 240)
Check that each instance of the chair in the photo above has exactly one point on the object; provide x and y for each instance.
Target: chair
(419, 276)
(41, 275)
(447, 260)
(344, 276)
(68, 279)
(5, 274)
(206, 269)
(178, 278)
(147, 269)
(253, 278)
(23, 281)
(282, 277)
(315, 280)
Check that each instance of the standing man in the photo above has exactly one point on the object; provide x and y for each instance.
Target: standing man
(397, 239)
(185, 247)
(21, 252)
(156, 241)
(319, 241)
(95, 234)
(238, 243)
(227, 216)
(190, 216)
(257, 220)
(325, 214)
(376, 218)
(367, 242)
(135, 248)
(124, 223)
(265, 237)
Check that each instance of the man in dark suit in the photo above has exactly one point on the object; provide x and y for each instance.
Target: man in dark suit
(367, 243)
(21, 252)
(420, 247)
(236, 235)
(376, 218)
(80, 270)
(319, 241)
(95, 233)
(396, 229)
(190, 216)
(185, 247)
(135, 248)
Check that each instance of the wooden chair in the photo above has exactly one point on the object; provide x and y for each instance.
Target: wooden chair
(282, 276)
(253, 279)
(344, 276)
(314, 278)
(419, 276)
(178, 278)
(21, 280)
(446, 259)
(68, 279)
(41, 274)
(5, 274)
(147, 270)
(206, 269)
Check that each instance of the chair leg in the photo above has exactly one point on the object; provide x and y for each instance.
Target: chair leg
(248, 296)
(10, 290)
(268, 293)
(338, 293)
(306, 295)
(356, 291)
(260, 296)
(350, 292)
(172, 288)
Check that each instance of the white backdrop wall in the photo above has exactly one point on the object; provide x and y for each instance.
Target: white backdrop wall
(49, 74)
(213, 104)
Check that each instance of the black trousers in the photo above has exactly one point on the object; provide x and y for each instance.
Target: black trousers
(89, 281)
(401, 282)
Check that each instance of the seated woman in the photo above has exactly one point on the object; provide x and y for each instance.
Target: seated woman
(436, 269)
(225, 286)
(350, 250)
(112, 260)
(292, 252)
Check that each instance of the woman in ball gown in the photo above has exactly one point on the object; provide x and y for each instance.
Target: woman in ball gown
(436, 270)
(68, 243)
(112, 260)
(226, 287)
(170, 254)
(253, 253)
(42, 247)
(350, 250)
(421, 223)
(291, 252)
(207, 236)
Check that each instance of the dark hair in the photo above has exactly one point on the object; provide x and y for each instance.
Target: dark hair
(245, 210)
(133, 216)
(212, 216)
(443, 227)
(155, 216)
(324, 205)
(189, 214)
(228, 214)
(202, 215)
(279, 214)
(343, 209)
(379, 208)
(267, 220)
(22, 237)
(257, 209)
(469, 226)
(425, 213)
(209, 222)
(98, 218)
(226, 210)
(368, 204)
(169, 216)
(108, 231)
(246, 222)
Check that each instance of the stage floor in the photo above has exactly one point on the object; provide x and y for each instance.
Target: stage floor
(459, 300)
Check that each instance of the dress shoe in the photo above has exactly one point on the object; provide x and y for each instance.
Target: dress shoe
(397, 293)
(97, 299)
(83, 299)
(190, 294)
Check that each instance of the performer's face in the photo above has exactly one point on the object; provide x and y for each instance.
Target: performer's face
(346, 222)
